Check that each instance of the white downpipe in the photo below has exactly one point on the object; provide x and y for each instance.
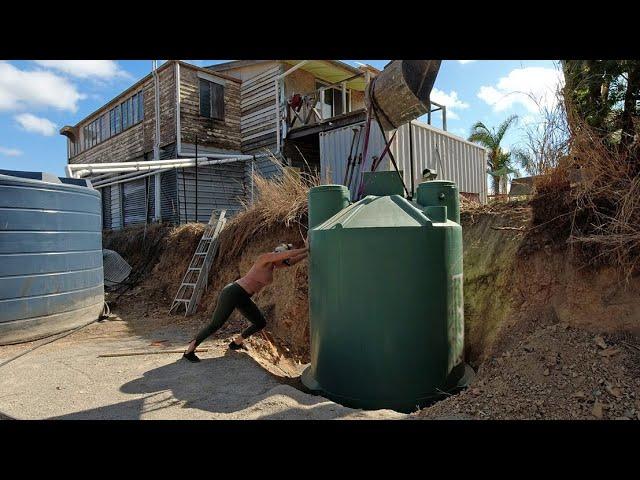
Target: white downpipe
(156, 105)
(84, 168)
(178, 106)
(77, 166)
(202, 161)
(129, 177)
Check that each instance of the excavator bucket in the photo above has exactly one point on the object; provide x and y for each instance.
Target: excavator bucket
(400, 93)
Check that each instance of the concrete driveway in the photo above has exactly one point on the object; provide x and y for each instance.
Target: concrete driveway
(67, 380)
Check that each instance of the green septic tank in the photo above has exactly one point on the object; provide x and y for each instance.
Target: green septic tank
(386, 305)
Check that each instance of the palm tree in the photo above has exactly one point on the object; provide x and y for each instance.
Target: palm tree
(499, 160)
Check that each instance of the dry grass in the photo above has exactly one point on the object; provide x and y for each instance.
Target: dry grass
(592, 201)
(606, 220)
(279, 202)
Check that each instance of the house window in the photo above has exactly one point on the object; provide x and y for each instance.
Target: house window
(332, 104)
(211, 100)
(106, 126)
(125, 115)
(120, 117)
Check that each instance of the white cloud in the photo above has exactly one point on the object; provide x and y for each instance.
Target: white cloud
(20, 88)
(463, 62)
(97, 69)
(461, 132)
(525, 86)
(10, 152)
(34, 124)
(449, 100)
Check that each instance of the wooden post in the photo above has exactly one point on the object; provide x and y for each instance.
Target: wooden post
(344, 97)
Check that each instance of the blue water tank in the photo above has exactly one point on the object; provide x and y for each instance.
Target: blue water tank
(51, 276)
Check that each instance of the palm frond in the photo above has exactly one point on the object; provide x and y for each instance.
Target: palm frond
(504, 126)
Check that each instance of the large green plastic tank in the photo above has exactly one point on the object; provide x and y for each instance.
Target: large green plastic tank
(386, 304)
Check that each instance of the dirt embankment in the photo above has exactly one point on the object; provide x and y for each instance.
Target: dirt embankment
(552, 339)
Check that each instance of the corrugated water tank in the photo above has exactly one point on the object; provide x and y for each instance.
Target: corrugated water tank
(51, 276)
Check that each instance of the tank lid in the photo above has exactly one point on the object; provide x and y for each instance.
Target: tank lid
(387, 211)
(42, 176)
(324, 188)
(437, 182)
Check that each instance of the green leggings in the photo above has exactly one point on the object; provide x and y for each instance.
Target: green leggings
(231, 297)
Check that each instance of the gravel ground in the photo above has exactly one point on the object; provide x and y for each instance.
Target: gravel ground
(554, 372)
(67, 380)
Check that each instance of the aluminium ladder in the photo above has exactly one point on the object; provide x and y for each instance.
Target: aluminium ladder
(195, 279)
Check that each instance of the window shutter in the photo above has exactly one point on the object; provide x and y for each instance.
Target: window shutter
(141, 104)
(217, 101)
(205, 98)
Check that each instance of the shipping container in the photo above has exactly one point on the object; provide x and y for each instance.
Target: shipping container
(424, 146)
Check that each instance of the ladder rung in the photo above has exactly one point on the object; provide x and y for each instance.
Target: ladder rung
(195, 268)
(182, 300)
(188, 284)
(200, 253)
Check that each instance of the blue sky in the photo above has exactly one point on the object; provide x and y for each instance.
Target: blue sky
(39, 97)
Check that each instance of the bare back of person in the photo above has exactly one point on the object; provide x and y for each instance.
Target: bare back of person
(259, 276)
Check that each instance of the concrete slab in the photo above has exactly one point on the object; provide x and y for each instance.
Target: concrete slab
(66, 380)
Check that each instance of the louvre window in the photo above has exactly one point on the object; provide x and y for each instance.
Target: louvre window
(119, 118)
(211, 100)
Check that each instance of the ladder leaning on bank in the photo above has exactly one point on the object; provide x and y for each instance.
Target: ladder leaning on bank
(195, 280)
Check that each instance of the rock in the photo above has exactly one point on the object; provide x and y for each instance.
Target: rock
(599, 341)
(613, 391)
(609, 352)
(596, 411)
(546, 372)
(528, 348)
(579, 395)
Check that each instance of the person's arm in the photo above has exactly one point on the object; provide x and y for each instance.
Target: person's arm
(278, 257)
(291, 261)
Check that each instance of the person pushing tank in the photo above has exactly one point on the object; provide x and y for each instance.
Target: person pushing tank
(238, 295)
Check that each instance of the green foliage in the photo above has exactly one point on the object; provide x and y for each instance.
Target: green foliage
(491, 139)
(604, 94)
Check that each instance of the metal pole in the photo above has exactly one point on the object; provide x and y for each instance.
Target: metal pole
(411, 155)
(158, 193)
(253, 161)
(184, 198)
(276, 84)
(344, 97)
(444, 118)
(177, 197)
(196, 178)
